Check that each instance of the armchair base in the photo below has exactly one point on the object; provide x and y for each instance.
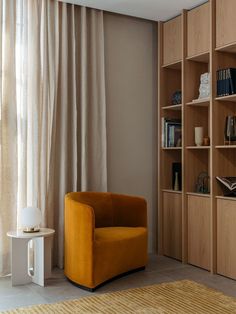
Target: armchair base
(107, 281)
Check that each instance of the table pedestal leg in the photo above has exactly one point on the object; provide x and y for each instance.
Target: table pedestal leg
(19, 262)
(42, 260)
(47, 257)
(38, 276)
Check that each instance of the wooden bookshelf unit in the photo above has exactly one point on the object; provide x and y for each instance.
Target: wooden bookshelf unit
(194, 227)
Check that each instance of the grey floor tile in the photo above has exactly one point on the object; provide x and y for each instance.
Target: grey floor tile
(10, 302)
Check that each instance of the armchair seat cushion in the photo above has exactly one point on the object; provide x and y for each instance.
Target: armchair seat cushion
(112, 234)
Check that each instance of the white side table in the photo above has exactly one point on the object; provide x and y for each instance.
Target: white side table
(42, 256)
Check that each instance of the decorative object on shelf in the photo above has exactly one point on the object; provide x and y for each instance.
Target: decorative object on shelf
(176, 185)
(176, 98)
(176, 176)
(179, 142)
(228, 185)
(206, 141)
(199, 135)
(230, 130)
(204, 89)
(202, 184)
(30, 219)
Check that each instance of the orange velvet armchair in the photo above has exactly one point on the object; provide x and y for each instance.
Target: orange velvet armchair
(105, 236)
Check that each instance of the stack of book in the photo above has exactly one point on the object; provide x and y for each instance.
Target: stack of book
(171, 132)
(226, 82)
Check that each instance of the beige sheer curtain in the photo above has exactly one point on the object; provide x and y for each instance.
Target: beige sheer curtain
(53, 111)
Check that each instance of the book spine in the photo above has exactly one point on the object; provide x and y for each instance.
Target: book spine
(233, 73)
(166, 139)
(172, 136)
(231, 83)
(227, 83)
(162, 132)
(224, 83)
(220, 83)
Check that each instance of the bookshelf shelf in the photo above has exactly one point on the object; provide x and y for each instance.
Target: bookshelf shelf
(197, 147)
(227, 98)
(171, 148)
(199, 103)
(172, 107)
(231, 48)
(225, 146)
(198, 194)
(176, 65)
(225, 198)
(171, 191)
(201, 57)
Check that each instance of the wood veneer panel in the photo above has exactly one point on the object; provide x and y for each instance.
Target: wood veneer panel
(198, 30)
(226, 235)
(172, 40)
(172, 225)
(225, 22)
(199, 231)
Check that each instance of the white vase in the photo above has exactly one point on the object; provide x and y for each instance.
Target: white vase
(199, 136)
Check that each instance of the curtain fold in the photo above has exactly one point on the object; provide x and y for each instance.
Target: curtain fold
(53, 111)
(8, 129)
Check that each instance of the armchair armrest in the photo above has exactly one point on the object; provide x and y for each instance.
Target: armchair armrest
(78, 237)
(129, 211)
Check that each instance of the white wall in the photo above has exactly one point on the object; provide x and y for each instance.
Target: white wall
(131, 90)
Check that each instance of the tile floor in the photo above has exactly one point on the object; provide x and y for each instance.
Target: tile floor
(160, 269)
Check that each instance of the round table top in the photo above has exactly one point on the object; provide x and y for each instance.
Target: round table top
(43, 232)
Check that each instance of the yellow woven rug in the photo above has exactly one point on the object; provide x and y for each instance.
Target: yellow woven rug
(178, 297)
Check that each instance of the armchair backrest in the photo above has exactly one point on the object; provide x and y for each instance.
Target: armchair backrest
(101, 204)
(114, 209)
(129, 211)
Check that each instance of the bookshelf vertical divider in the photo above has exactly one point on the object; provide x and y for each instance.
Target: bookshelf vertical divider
(184, 201)
(160, 79)
(212, 135)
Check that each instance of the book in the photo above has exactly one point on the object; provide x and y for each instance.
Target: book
(229, 182)
(232, 79)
